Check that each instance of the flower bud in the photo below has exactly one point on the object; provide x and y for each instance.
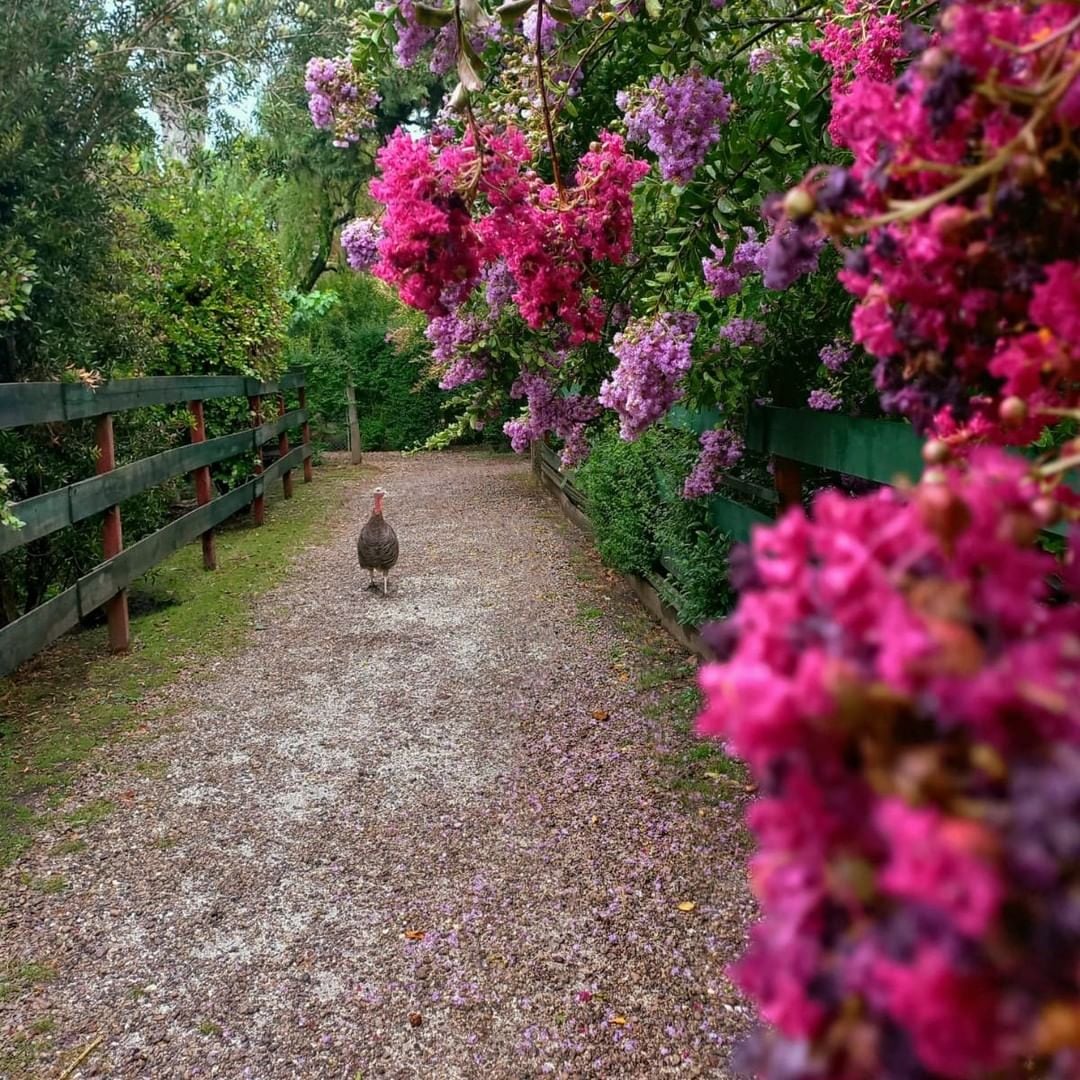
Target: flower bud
(936, 452)
(1013, 411)
(1027, 168)
(943, 511)
(932, 61)
(1047, 510)
(799, 203)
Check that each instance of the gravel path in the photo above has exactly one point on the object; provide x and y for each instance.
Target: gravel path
(429, 835)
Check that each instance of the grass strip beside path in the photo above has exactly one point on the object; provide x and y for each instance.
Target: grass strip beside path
(75, 697)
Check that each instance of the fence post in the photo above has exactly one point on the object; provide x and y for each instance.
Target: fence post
(306, 430)
(259, 505)
(203, 485)
(283, 449)
(112, 539)
(356, 457)
(787, 480)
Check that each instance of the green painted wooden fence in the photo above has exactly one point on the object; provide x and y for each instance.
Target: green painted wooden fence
(24, 404)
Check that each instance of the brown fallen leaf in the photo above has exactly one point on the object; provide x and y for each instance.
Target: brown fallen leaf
(620, 1020)
(687, 905)
(415, 1019)
(600, 714)
(415, 935)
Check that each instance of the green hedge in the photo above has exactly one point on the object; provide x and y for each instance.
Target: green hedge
(339, 335)
(644, 526)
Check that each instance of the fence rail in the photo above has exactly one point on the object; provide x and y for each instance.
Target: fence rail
(26, 404)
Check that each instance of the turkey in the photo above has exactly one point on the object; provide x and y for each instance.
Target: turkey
(377, 548)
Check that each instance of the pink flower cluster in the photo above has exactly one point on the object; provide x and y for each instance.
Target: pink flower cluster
(969, 294)
(678, 119)
(566, 415)
(335, 100)
(720, 449)
(653, 355)
(544, 240)
(549, 241)
(429, 251)
(909, 703)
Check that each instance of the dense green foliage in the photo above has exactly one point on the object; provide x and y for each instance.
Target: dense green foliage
(142, 232)
(644, 527)
(354, 331)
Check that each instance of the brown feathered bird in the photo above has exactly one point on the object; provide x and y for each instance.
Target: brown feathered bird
(377, 548)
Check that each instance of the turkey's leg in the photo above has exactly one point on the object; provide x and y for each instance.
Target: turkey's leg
(385, 580)
(371, 582)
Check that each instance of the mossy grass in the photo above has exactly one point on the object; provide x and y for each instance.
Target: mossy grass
(58, 709)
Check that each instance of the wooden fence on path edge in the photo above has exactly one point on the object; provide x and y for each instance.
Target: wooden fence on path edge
(870, 449)
(25, 404)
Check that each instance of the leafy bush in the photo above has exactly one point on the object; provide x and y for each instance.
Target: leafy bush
(340, 335)
(644, 527)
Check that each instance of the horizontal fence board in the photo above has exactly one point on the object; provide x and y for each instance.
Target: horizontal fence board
(273, 428)
(757, 492)
(31, 403)
(55, 510)
(734, 518)
(41, 515)
(293, 459)
(24, 637)
(877, 450)
(121, 395)
(106, 580)
(94, 495)
(22, 404)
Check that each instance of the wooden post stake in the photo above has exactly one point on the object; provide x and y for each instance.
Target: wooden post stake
(112, 539)
(203, 485)
(787, 479)
(259, 505)
(283, 449)
(306, 430)
(354, 425)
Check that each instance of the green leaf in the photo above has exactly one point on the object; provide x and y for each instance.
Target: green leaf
(652, 8)
(426, 15)
(512, 10)
(561, 14)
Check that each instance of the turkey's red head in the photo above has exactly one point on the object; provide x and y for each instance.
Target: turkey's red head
(379, 493)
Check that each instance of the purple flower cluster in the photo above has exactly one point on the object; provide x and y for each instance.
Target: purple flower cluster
(499, 285)
(453, 333)
(412, 37)
(823, 400)
(564, 414)
(466, 368)
(760, 58)
(742, 332)
(359, 241)
(835, 356)
(720, 449)
(653, 355)
(791, 252)
(548, 30)
(335, 101)
(727, 279)
(724, 280)
(678, 119)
